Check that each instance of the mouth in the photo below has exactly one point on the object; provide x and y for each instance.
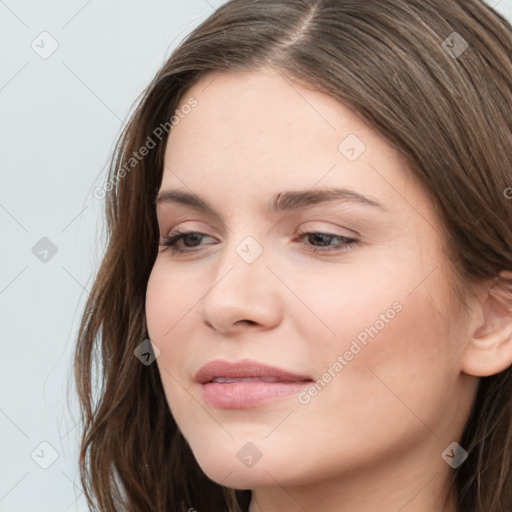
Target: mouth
(228, 380)
(245, 384)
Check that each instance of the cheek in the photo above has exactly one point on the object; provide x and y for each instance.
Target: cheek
(395, 365)
(167, 302)
(345, 304)
(378, 342)
(167, 305)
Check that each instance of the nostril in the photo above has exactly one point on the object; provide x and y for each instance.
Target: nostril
(250, 322)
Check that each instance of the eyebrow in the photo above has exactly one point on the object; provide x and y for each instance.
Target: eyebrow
(284, 201)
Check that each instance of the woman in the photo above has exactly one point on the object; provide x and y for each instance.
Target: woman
(306, 299)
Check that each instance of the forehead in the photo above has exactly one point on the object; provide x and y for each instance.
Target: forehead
(263, 110)
(259, 131)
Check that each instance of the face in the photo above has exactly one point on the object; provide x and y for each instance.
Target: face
(313, 277)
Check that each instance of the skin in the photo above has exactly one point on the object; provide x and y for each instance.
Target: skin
(372, 438)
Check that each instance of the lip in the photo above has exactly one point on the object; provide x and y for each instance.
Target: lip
(223, 388)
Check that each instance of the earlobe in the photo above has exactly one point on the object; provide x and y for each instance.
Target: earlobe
(489, 350)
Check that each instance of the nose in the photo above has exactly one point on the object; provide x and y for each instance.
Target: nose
(242, 295)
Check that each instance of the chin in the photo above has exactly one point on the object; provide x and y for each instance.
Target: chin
(241, 465)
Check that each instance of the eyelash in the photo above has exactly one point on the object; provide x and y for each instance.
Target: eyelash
(170, 242)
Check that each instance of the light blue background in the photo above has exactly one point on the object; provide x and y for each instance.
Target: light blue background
(59, 119)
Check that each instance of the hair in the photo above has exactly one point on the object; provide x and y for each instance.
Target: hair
(393, 63)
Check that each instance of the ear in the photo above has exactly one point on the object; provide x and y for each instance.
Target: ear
(489, 350)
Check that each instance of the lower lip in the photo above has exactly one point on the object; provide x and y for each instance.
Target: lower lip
(243, 395)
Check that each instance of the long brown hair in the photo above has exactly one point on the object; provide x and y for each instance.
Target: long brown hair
(434, 79)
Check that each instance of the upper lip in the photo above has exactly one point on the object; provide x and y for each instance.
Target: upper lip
(245, 368)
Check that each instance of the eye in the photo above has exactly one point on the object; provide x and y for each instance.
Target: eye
(189, 239)
(324, 241)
